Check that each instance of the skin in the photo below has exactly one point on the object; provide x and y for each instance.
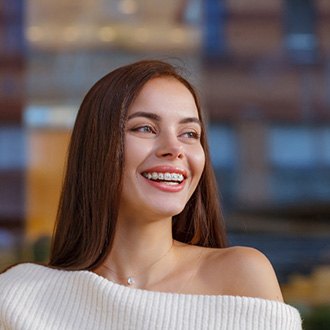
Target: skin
(162, 132)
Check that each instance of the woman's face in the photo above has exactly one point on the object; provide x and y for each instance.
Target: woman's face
(164, 158)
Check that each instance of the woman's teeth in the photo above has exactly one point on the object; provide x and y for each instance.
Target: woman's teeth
(168, 177)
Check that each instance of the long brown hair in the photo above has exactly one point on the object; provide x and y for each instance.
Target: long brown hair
(88, 208)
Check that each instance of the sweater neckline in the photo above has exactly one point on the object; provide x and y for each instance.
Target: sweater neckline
(126, 289)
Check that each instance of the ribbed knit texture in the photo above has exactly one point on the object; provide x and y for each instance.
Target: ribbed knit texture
(36, 297)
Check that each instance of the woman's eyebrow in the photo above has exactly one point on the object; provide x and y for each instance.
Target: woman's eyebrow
(155, 117)
(148, 115)
(190, 120)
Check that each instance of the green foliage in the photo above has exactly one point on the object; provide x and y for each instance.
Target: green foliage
(40, 249)
(318, 318)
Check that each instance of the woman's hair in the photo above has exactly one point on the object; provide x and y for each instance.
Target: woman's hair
(88, 208)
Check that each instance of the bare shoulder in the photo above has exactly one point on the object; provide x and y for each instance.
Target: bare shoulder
(241, 271)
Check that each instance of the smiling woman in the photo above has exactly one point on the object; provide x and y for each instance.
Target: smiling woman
(139, 241)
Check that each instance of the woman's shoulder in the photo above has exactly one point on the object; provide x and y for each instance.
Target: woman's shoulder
(240, 271)
(242, 258)
(22, 268)
(22, 277)
(21, 272)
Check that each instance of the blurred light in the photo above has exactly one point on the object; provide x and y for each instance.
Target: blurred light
(223, 145)
(302, 47)
(107, 34)
(301, 41)
(142, 35)
(34, 33)
(127, 7)
(292, 147)
(12, 148)
(325, 141)
(61, 116)
(178, 35)
(71, 33)
(7, 239)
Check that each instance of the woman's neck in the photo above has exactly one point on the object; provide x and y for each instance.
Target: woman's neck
(140, 252)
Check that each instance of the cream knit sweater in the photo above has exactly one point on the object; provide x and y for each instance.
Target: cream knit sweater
(36, 297)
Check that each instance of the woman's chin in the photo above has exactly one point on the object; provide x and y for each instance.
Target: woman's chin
(167, 212)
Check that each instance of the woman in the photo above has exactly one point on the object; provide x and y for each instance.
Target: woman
(139, 241)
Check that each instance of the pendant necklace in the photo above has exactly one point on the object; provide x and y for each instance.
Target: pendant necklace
(130, 280)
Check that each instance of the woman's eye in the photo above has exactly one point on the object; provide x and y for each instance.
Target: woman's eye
(191, 135)
(144, 129)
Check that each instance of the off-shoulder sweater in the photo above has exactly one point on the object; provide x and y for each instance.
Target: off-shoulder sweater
(37, 297)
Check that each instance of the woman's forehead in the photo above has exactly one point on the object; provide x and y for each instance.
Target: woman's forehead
(165, 96)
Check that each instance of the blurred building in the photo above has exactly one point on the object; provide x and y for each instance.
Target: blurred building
(263, 72)
(266, 87)
(12, 137)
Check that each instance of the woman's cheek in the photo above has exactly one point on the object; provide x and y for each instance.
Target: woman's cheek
(199, 160)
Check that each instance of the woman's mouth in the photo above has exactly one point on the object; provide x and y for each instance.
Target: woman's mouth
(167, 177)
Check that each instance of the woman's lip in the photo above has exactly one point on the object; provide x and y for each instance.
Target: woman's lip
(163, 186)
(166, 169)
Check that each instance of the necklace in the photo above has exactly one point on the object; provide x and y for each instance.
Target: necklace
(130, 280)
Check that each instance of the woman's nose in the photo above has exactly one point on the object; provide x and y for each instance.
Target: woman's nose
(169, 147)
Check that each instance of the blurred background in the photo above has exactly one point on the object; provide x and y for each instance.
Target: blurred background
(262, 69)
